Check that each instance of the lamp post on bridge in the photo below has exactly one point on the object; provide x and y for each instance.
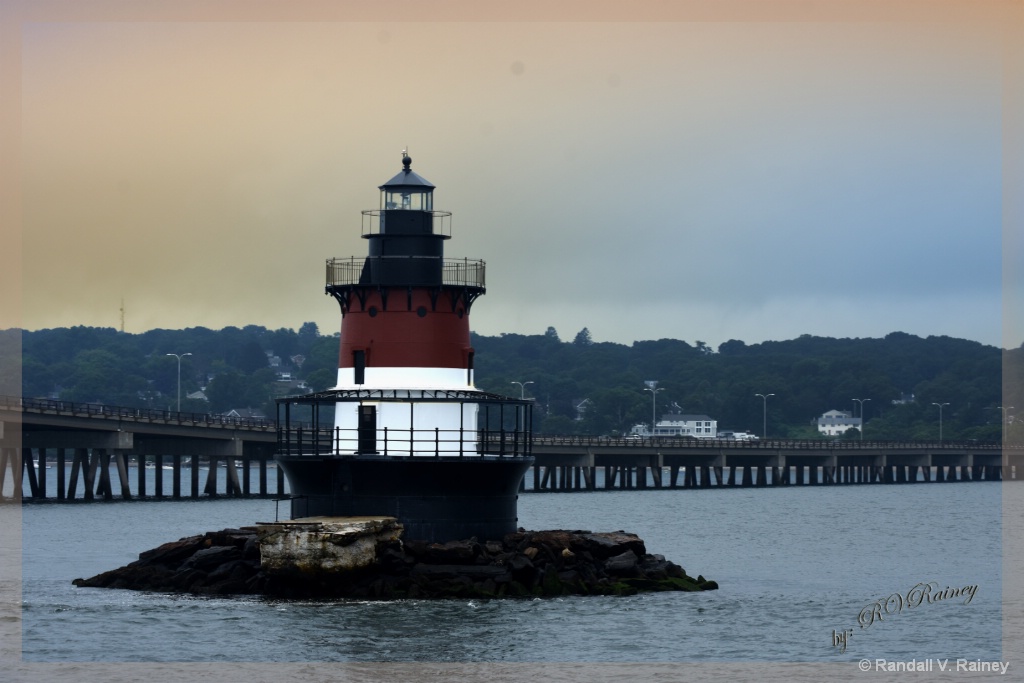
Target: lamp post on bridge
(652, 386)
(940, 419)
(764, 415)
(179, 357)
(522, 388)
(861, 401)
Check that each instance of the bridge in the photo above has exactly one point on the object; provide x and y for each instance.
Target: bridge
(576, 463)
(92, 438)
(81, 443)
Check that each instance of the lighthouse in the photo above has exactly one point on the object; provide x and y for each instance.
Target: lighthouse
(405, 433)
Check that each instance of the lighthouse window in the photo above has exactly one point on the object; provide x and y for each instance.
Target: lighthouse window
(373, 311)
(421, 312)
(461, 313)
(408, 200)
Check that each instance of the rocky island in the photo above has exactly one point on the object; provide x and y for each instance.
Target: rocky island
(367, 558)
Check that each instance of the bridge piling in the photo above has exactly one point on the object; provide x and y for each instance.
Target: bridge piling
(37, 474)
(61, 464)
(89, 472)
(176, 476)
(104, 485)
(140, 464)
(232, 487)
(193, 475)
(210, 487)
(42, 472)
(158, 475)
(16, 461)
(28, 463)
(77, 457)
(122, 474)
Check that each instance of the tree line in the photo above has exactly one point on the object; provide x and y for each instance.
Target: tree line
(579, 386)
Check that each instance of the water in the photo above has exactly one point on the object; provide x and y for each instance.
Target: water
(796, 566)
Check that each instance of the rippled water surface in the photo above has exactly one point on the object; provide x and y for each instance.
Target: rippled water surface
(794, 565)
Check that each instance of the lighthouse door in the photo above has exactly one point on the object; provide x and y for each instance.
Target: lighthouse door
(367, 429)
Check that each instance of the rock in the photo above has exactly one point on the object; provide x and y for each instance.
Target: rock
(522, 568)
(366, 558)
(209, 559)
(609, 544)
(174, 552)
(453, 552)
(624, 564)
(452, 570)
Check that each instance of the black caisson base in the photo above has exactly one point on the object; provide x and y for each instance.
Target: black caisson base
(435, 499)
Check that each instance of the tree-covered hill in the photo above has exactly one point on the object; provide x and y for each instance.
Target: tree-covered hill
(580, 386)
(235, 368)
(898, 378)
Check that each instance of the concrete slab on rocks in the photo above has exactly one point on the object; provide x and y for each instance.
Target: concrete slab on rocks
(323, 545)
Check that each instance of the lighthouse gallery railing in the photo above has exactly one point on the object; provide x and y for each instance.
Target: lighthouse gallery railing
(463, 272)
(503, 425)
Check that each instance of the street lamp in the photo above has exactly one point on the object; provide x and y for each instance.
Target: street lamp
(861, 401)
(522, 388)
(764, 417)
(179, 375)
(940, 419)
(652, 386)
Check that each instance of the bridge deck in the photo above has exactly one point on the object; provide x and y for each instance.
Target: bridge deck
(105, 447)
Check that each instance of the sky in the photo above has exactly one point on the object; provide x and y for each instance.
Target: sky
(839, 169)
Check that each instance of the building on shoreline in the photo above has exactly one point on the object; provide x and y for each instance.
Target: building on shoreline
(837, 422)
(680, 425)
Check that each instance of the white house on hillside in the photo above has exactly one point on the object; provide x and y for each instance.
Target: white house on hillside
(836, 422)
